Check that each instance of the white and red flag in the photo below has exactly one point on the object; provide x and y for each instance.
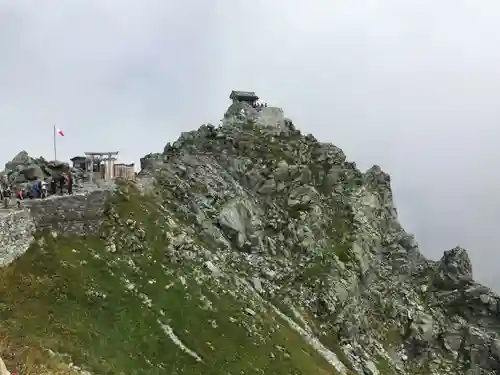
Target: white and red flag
(60, 132)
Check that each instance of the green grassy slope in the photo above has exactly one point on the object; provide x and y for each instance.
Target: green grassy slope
(107, 310)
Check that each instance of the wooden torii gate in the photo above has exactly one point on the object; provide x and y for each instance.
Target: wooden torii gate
(108, 158)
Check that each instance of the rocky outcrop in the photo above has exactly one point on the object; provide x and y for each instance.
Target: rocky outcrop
(23, 169)
(151, 161)
(455, 268)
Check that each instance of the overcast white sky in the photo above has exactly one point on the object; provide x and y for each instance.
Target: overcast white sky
(411, 85)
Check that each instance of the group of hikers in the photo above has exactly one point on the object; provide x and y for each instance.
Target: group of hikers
(259, 106)
(41, 189)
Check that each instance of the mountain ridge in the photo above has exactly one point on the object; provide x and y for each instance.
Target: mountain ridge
(250, 248)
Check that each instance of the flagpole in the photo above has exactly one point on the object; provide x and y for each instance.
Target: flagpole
(55, 147)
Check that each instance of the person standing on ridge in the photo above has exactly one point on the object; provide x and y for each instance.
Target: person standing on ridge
(36, 189)
(6, 195)
(43, 188)
(53, 186)
(62, 180)
(69, 180)
(20, 197)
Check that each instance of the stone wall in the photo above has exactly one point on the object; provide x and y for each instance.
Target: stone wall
(75, 214)
(16, 234)
(272, 117)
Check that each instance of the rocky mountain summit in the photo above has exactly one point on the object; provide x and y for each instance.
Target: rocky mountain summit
(250, 249)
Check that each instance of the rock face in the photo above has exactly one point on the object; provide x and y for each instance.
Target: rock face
(23, 169)
(259, 250)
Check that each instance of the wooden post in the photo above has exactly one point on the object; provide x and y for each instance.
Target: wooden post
(55, 147)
